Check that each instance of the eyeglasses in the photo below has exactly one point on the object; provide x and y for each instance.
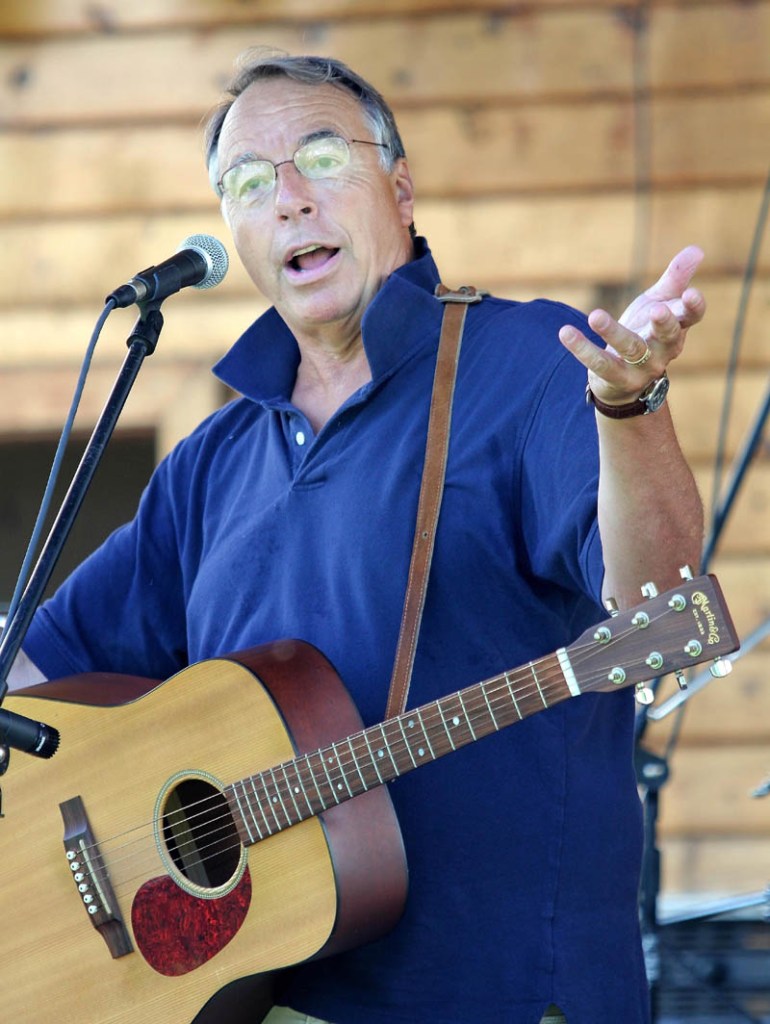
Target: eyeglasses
(249, 182)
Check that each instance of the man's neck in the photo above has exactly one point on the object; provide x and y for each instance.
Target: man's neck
(326, 378)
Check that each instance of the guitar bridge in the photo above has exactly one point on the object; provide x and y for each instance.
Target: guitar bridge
(91, 880)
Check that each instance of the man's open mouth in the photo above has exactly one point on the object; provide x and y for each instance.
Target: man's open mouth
(311, 257)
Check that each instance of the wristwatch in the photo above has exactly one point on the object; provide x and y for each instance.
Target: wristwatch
(651, 399)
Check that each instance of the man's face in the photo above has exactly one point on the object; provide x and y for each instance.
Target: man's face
(360, 219)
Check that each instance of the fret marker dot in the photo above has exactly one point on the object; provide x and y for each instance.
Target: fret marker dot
(455, 720)
(339, 785)
(410, 723)
(421, 751)
(275, 799)
(296, 789)
(380, 753)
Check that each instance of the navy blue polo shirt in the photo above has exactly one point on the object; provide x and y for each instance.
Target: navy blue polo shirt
(523, 848)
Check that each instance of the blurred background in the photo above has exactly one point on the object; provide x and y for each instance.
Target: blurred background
(565, 148)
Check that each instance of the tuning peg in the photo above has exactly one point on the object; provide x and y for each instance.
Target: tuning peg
(680, 679)
(643, 694)
(685, 571)
(649, 590)
(721, 668)
(612, 606)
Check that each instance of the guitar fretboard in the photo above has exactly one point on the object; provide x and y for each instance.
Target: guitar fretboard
(289, 793)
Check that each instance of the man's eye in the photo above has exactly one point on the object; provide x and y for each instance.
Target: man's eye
(325, 157)
(325, 162)
(250, 181)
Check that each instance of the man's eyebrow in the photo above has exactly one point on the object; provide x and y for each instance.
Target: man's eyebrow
(319, 133)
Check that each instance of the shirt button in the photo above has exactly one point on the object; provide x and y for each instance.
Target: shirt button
(299, 437)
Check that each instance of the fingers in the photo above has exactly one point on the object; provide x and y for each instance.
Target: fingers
(678, 274)
(650, 333)
(616, 375)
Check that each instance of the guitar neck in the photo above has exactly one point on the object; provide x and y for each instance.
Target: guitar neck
(670, 631)
(280, 797)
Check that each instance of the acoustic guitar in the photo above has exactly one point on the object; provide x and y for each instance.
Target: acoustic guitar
(194, 832)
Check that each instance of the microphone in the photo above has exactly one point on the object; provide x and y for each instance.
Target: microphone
(27, 735)
(200, 262)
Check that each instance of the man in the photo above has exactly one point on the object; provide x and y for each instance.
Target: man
(291, 513)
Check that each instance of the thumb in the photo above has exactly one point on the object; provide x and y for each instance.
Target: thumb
(678, 274)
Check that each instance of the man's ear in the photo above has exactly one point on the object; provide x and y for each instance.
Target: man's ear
(404, 190)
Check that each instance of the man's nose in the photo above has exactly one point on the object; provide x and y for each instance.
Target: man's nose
(294, 195)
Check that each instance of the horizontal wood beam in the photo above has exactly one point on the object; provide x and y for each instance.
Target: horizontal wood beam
(203, 324)
(531, 53)
(492, 241)
(714, 866)
(21, 18)
(461, 151)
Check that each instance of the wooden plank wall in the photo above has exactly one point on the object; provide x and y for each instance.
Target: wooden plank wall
(559, 148)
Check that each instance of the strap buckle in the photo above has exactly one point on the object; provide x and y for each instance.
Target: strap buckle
(466, 293)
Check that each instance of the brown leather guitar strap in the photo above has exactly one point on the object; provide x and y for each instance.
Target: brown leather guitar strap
(431, 489)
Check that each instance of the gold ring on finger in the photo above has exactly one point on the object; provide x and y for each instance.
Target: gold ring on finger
(642, 359)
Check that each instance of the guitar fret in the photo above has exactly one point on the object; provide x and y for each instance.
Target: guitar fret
(537, 684)
(234, 789)
(261, 801)
(489, 706)
(406, 742)
(467, 716)
(446, 727)
(354, 756)
(372, 757)
(328, 777)
(454, 715)
(272, 801)
(425, 734)
(322, 780)
(321, 801)
(386, 743)
(341, 770)
(291, 794)
(298, 786)
(277, 800)
(513, 696)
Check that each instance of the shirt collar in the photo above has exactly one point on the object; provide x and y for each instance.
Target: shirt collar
(262, 364)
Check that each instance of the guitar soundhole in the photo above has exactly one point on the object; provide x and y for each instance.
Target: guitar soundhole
(200, 835)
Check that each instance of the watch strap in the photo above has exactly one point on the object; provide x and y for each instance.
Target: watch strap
(639, 407)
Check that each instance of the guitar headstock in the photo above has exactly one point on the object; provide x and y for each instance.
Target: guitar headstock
(668, 632)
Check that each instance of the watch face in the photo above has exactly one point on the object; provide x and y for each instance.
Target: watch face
(656, 394)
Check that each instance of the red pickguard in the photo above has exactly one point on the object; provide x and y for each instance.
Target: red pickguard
(177, 932)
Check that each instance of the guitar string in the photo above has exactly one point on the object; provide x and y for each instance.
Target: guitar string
(495, 687)
(477, 713)
(498, 695)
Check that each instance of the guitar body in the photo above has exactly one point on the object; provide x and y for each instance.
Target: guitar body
(179, 933)
(190, 837)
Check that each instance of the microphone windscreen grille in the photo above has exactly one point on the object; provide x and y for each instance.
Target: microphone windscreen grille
(216, 257)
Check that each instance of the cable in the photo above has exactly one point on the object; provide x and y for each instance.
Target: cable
(56, 465)
(749, 276)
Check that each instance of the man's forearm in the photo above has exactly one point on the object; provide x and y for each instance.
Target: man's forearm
(650, 512)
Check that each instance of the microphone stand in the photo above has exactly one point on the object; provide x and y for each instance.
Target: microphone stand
(15, 730)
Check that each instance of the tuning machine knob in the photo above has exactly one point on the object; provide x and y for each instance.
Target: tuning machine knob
(643, 694)
(720, 668)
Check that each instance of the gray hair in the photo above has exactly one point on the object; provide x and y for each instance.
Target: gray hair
(260, 63)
